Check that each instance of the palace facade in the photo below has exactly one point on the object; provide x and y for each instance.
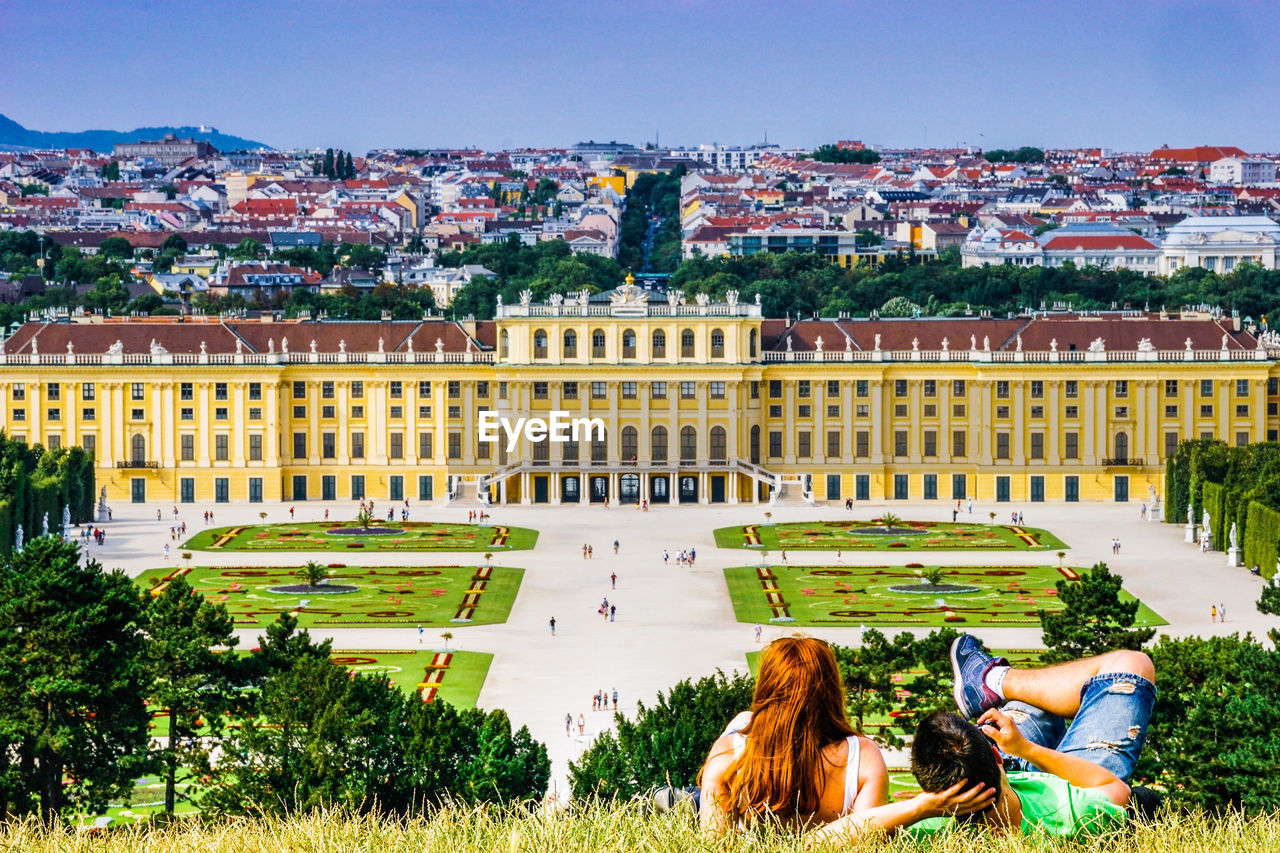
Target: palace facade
(703, 402)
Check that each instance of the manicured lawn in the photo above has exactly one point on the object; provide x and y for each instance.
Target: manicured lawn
(924, 536)
(453, 677)
(1006, 596)
(385, 596)
(318, 536)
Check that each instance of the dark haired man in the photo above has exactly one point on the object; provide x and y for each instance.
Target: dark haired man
(1061, 778)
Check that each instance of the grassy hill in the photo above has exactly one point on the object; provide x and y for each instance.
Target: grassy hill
(590, 829)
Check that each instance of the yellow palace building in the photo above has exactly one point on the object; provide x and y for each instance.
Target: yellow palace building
(701, 402)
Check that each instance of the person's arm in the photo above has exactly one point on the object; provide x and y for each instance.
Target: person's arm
(873, 777)
(956, 800)
(712, 815)
(1078, 771)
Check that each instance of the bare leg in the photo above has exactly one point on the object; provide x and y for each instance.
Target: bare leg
(1056, 689)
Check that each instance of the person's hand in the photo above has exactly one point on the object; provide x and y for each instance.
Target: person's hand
(956, 800)
(1000, 727)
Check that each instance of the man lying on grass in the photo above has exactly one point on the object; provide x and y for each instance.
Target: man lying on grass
(1062, 779)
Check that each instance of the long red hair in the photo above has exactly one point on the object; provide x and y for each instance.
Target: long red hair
(796, 711)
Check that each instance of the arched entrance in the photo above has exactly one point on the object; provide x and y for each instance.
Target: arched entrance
(629, 489)
(659, 489)
(688, 488)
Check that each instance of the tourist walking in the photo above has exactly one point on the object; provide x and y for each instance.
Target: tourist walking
(582, 724)
(613, 580)
(613, 611)
(1222, 613)
(584, 550)
(568, 724)
(970, 506)
(290, 512)
(1213, 613)
(591, 552)
(759, 631)
(553, 626)
(419, 635)
(665, 557)
(166, 550)
(615, 546)
(615, 698)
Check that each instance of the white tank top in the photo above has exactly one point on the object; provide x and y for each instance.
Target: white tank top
(850, 768)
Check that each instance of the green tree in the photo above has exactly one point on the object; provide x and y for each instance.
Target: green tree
(174, 243)
(328, 163)
(832, 154)
(349, 169)
(867, 671)
(189, 677)
(1093, 620)
(248, 249)
(312, 573)
(930, 688)
(666, 744)
(1214, 737)
(110, 171)
(73, 720)
(116, 247)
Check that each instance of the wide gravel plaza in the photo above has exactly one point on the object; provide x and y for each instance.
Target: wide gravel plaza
(672, 622)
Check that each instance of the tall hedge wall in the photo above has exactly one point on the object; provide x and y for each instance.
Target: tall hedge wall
(1236, 485)
(35, 481)
(1213, 499)
(1262, 545)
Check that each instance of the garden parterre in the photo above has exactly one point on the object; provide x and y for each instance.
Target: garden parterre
(853, 535)
(323, 536)
(997, 596)
(384, 596)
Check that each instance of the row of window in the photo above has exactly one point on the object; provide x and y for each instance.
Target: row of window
(253, 488)
(805, 388)
(960, 487)
(599, 340)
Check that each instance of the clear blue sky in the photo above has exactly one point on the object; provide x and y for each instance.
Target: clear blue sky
(1118, 73)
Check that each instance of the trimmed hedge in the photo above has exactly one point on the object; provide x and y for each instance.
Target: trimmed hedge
(1262, 545)
(1213, 499)
(35, 481)
(1236, 485)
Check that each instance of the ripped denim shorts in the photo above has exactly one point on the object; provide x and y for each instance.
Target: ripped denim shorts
(1108, 730)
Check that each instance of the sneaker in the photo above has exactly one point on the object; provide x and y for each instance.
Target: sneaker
(970, 664)
(668, 798)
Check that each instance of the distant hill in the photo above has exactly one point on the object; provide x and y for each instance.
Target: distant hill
(15, 136)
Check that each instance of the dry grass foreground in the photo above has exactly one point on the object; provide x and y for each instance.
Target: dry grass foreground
(593, 829)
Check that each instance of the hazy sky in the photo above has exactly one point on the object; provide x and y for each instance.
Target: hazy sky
(1117, 73)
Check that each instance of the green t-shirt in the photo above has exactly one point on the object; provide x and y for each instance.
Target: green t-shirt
(1050, 805)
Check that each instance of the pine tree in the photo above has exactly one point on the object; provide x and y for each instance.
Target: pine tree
(328, 163)
(190, 680)
(73, 719)
(350, 169)
(1093, 619)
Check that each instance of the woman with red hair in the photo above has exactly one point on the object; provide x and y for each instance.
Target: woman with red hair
(795, 757)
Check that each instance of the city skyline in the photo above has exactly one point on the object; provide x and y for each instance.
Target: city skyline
(684, 73)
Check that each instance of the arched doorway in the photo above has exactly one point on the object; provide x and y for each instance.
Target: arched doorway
(629, 489)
